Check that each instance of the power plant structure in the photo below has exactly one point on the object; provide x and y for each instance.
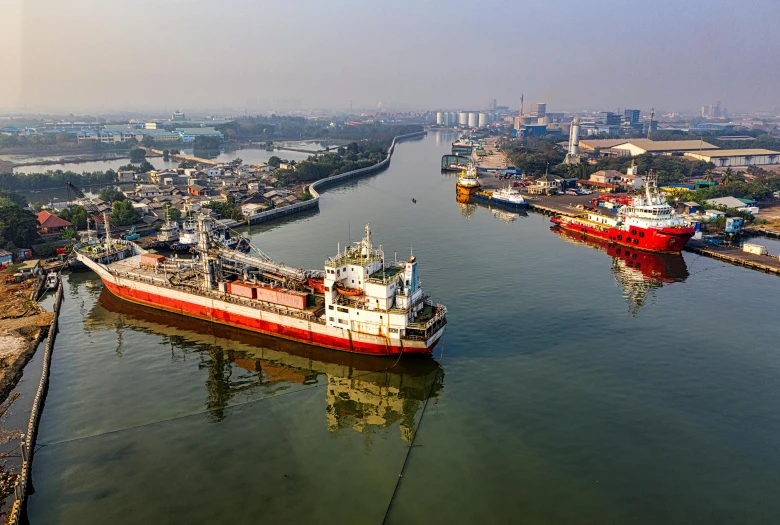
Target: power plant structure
(573, 152)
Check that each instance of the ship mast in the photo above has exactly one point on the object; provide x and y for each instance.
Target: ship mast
(204, 245)
(108, 231)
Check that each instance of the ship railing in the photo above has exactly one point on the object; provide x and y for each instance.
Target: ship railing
(258, 305)
(439, 314)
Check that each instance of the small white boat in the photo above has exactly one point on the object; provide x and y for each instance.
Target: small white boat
(52, 280)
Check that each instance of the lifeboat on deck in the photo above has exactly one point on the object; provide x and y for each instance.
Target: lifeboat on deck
(352, 292)
(317, 284)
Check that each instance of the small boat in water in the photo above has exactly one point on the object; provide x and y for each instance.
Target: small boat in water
(52, 280)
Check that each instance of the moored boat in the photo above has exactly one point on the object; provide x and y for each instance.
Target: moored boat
(508, 197)
(649, 223)
(52, 280)
(468, 183)
(366, 306)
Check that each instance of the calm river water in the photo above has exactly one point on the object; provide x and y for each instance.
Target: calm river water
(574, 388)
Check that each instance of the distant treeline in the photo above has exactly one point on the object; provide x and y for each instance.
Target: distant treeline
(277, 127)
(54, 179)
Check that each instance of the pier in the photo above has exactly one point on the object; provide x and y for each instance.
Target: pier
(732, 255)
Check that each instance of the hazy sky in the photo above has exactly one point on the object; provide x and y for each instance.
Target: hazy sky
(163, 54)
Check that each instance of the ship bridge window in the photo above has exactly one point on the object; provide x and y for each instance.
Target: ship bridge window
(330, 307)
(343, 310)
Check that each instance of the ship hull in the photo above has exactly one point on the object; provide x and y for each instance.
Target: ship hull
(661, 240)
(466, 190)
(499, 202)
(276, 324)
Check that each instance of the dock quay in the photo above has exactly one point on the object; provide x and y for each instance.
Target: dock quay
(558, 204)
(760, 230)
(732, 255)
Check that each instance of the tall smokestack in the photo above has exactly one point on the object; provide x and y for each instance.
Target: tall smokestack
(574, 137)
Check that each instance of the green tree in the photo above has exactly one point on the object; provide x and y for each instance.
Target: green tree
(166, 155)
(18, 227)
(274, 161)
(172, 213)
(111, 194)
(123, 213)
(9, 198)
(185, 164)
(76, 215)
(137, 155)
(145, 167)
(226, 210)
(727, 177)
(68, 233)
(148, 141)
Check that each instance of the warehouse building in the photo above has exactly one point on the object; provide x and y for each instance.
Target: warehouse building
(737, 157)
(662, 147)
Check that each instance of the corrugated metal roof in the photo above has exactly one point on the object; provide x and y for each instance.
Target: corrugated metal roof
(667, 145)
(736, 152)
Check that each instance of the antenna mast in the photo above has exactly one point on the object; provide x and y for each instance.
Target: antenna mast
(521, 104)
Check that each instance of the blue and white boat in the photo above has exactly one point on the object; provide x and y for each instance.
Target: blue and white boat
(508, 197)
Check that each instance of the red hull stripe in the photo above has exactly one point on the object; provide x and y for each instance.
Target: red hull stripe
(256, 325)
(663, 241)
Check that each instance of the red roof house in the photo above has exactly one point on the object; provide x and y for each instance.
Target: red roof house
(49, 223)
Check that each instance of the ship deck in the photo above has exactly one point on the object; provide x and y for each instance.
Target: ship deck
(131, 268)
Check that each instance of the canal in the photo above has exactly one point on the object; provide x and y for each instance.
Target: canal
(577, 385)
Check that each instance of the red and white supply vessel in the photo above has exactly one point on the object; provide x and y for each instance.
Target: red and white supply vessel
(357, 304)
(649, 223)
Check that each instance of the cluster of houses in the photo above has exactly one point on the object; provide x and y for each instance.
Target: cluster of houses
(254, 189)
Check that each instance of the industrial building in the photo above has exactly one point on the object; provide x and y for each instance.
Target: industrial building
(724, 158)
(657, 147)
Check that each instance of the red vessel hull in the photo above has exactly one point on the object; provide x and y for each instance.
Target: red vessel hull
(660, 240)
(259, 325)
(664, 268)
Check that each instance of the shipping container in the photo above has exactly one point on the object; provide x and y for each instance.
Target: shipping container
(282, 296)
(152, 259)
(242, 289)
(755, 249)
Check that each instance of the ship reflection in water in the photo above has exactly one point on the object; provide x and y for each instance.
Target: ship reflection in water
(468, 206)
(639, 273)
(364, 393)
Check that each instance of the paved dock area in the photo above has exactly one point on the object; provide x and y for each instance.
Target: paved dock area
(494, 159)
(730, 254)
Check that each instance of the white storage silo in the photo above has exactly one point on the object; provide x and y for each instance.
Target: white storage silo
(482, 120)
(463, 118)
(473, 120)
(440, 118)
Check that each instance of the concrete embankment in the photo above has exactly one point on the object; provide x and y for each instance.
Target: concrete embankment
(321, 185)
(23, 482)
(182, 156)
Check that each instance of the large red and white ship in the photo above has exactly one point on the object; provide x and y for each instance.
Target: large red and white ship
(649, 223)
(357, 304)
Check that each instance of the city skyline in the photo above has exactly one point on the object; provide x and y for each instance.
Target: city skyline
(87, 56)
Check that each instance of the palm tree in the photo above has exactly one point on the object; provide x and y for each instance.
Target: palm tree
(708, 175)
(727, 177)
